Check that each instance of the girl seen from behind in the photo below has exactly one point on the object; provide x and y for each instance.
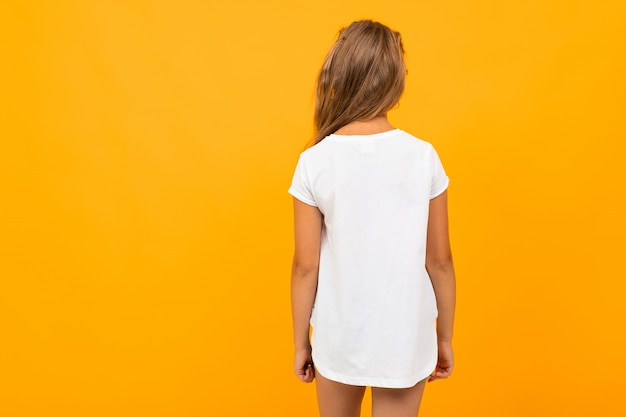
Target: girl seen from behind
(372, 271)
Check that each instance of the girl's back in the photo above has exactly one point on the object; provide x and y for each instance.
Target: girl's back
(373, 191)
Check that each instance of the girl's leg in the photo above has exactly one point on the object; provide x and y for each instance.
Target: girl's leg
(397, 402)
(336, 399)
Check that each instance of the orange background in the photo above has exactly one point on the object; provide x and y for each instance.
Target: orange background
(146, 152)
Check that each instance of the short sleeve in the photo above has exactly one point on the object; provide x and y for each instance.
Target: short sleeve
(440, 180)
(300, 186)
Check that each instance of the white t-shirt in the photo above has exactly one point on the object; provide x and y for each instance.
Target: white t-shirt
(375, 312)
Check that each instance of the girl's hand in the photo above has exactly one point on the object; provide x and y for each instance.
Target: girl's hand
(445, 363)
(303, 365)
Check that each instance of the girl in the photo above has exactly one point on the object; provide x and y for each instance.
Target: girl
(372, 271)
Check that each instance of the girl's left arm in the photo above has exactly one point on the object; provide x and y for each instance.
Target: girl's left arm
(308, 222)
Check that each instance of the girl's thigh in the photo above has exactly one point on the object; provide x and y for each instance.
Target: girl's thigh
(397, 402)
(335, 399)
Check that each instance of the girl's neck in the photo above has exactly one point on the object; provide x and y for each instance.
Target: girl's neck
(372, 126)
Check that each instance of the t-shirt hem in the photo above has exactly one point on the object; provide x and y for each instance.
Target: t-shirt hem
(377, 382)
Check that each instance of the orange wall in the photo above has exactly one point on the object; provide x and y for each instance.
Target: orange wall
(146, 150)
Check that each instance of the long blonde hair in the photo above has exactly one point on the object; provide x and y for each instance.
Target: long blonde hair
(362, 77)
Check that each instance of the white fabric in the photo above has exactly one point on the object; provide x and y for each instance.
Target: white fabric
(374, 318)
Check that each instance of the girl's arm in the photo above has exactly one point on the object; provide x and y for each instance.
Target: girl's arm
(308, 230)
(441, 271)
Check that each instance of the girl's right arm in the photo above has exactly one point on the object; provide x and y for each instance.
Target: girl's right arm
(441, 271)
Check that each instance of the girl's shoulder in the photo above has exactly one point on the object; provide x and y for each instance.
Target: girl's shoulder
(396, 140)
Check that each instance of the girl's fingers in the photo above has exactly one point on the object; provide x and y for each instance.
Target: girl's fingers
(310, 373)
(440, 373)
(306, 373)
